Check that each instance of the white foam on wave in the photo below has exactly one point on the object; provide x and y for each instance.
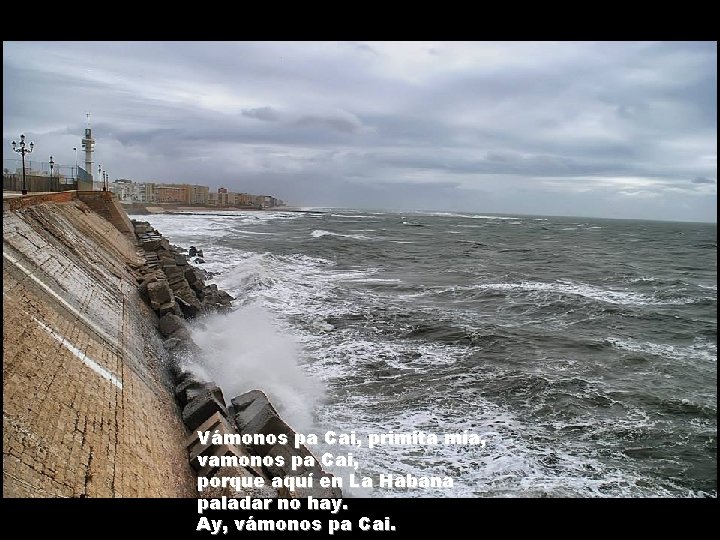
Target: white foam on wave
(319, 233)
(244, 231)
(700, 349)
(577, 289)
(469, 216)
(360, 216)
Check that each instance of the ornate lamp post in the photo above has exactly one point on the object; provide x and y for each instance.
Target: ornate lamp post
(22, 150)
(52, 165)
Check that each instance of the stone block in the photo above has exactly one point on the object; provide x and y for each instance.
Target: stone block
(170, 323)
(159, 293)
(200, 409)
(260, 416)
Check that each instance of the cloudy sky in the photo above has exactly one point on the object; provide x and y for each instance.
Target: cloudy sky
(591, 129)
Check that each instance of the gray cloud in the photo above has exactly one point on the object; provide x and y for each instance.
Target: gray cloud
(261, 113)
(344, 125)
(584, 128)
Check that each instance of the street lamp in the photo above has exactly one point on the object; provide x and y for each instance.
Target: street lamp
(22, 150)
(76, 169)
(52, 165)
(99, 173)
(105, 178)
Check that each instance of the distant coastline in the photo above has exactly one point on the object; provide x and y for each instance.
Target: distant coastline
(155, 208)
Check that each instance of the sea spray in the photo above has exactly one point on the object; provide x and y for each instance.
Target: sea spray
(245, 350)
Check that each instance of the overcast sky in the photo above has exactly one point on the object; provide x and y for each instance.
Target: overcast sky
(590, 129)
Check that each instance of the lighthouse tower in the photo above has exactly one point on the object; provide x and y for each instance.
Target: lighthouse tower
(88, 143)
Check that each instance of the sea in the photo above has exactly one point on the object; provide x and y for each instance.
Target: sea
(581, 351)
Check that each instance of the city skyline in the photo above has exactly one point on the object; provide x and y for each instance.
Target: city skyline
(624, 130)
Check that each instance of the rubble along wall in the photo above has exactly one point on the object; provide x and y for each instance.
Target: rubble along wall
(87, 405)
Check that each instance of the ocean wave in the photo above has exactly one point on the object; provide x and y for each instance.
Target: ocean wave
(699, 350)
(359, 216)
(319, 233)
(576, 289)
(469, 216)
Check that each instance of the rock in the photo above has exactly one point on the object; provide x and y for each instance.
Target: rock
(180, 374)
(150, 244)
(159, 293)
(174, 273)
(189, 311)
(170, 307)
(171, 323)
(143, 286)
(241, 402)
(198, 260)
(200, 253)
(183, 386)
(180, 260)
(200, 409)
(193, 276)
(258, 416)
(205, 388)
(181, 345)
(192, 251)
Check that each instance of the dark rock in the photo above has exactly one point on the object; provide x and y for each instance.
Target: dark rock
(225, 298)
(189, 311)
(159, 293)
(170, 307)
(241, 402)
(143, 286)
(180, 260)
(183, 386)
(198, 260)
(258, 416)
(150, 244)
(171, 323)
(200, 253)
(200, 409)
(179, 373)
(179, 344)
(194, 276)
(192, 251)
(166, 261)
(205, 388)
(174, 272)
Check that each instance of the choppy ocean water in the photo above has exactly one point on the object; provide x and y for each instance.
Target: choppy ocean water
(584, 351)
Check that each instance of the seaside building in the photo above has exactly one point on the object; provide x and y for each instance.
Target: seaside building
(197, 194)
(129, 192)
(170, 193)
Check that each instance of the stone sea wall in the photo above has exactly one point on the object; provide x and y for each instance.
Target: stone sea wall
(97, 397)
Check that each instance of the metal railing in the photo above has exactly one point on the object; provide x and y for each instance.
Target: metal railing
(39, 176)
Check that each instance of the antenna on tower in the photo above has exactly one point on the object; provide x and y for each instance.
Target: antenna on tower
(88, 119)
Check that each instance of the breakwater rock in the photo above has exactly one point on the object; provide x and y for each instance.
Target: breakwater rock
(176, 291)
